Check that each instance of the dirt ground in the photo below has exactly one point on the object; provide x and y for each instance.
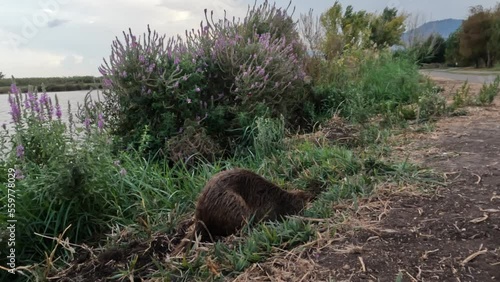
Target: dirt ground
(450, 234)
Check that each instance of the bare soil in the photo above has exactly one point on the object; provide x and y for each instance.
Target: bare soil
(453, 235)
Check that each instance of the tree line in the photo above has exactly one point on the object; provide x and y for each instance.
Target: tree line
(476, 43)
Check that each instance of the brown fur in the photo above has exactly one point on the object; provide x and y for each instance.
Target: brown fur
(232, 197)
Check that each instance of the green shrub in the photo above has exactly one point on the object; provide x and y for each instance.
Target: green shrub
(374, 84)
(462, 97)
(488, 92)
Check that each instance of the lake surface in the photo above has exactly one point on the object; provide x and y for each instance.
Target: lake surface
(74, 97)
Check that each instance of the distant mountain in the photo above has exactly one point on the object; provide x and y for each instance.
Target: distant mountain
(441, 27)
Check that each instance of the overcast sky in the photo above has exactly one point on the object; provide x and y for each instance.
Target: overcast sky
(71, 37)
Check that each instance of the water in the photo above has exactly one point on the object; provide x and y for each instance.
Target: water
(73, 97)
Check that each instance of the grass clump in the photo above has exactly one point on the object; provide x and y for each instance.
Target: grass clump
(488, 92)
(462, 97)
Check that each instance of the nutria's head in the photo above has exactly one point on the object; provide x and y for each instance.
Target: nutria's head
(303, 195)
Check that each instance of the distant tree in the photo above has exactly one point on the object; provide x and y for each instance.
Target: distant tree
(476, 35)
(452, 49)
(348, 28)
(359, 29)
(333, 42)
(431, 50)
(387, 29)
(2, 75)
(494, 42)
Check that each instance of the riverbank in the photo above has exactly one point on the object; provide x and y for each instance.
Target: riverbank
(52, 84)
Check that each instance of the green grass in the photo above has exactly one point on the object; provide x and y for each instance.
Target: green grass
(162, 196)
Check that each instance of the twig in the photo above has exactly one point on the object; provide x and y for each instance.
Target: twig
(473, 256)
(419, 274)
(363, 267)
(426, 253)
(478, 178)
(481, 219)
(411, 277)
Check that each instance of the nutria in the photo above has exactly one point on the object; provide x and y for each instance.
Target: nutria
(233, 197)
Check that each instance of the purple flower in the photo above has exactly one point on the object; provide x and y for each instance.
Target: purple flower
(14, 110)
(14, 89)
(151, 68)
(123, 172)
(20, 151)
(44, 98)
(86, 122)
(142, 59)
(188, 101)
(124, 74)
(100, 121)
(36, 106)
(197, 89)
(19, 174)
(58, 111)
(27, 104)
(31, 97)
(107, 83)
(176, 61)
(116, 163)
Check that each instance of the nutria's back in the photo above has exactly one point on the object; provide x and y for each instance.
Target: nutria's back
(232, 197)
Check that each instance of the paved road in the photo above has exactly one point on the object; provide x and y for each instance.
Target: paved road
(473, 78)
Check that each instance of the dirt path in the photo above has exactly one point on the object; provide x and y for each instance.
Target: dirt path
(478, 77)
(452, 234)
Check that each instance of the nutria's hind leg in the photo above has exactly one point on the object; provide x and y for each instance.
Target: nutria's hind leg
(233, 215)
(203, 232)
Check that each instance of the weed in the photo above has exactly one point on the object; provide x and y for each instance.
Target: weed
(488, 92)
(462, 97)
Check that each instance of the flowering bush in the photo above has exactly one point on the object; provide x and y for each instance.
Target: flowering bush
(220, 78)
(36, 120)
(66, 173)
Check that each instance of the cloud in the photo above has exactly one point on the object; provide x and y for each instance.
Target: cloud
(56, 22)
(30, 62)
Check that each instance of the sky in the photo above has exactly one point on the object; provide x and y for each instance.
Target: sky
(43, 38)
